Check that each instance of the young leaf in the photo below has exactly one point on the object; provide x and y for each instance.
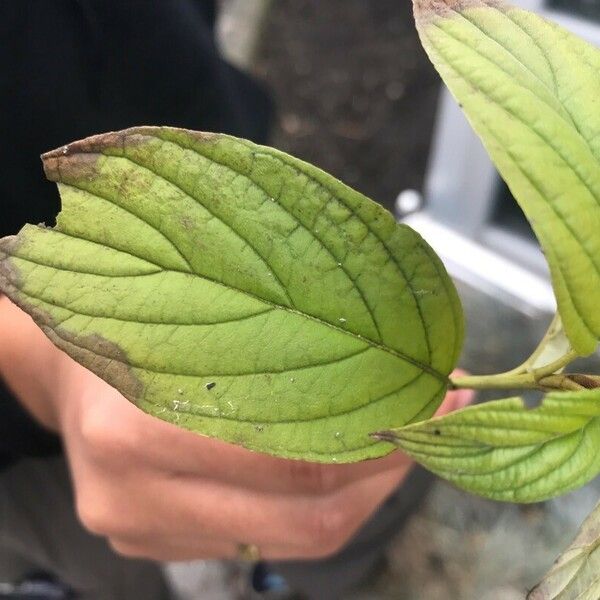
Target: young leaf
(505, 451)
(530, 89)
(576, 574)
(238, 292)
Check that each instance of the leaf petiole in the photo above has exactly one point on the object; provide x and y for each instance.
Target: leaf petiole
(510, 381)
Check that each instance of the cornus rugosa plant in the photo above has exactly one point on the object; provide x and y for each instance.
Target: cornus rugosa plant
(236, 291)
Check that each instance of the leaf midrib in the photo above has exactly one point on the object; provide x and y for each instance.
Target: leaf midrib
(255, 151)
(416, 363)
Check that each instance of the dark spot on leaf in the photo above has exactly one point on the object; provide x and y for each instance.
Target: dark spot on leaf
(210, 385)
(437, 432)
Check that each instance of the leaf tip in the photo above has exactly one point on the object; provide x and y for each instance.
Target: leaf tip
(78, 159)
(385, 436)
(426, 9)
(62, 165)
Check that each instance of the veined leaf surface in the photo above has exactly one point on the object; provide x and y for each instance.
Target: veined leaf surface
(238, 292)
(504, 451)
(576, 574)
(530, 89)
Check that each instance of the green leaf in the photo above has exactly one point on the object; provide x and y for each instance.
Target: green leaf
(530, 89)
(238, 292)
(505, 451)
(576, 574)
(554, 346)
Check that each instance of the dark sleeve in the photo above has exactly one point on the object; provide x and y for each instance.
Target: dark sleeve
(73, 68)
(20, 435)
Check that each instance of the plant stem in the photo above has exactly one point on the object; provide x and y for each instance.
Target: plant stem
(509, 381)
(501, 381)
(546, 376)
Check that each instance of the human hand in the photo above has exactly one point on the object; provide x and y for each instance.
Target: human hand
(157, 491)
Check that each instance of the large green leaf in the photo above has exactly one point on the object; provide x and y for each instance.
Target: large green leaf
(530, 89)
(238, 292)
(505, 451)
(576, 574)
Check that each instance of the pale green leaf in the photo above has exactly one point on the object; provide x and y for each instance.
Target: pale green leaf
(554, 346)
(576, 574)
(238, 292)
(531, 91)
(505, 451)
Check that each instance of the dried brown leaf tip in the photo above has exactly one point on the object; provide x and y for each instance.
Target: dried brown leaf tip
(78, 160)
(62, 165)
(427, 9)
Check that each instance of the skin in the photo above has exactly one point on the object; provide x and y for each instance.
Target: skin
(156, 491)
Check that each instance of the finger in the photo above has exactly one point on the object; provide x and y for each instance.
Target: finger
(222, 512)
(166, 507)
(280, 529)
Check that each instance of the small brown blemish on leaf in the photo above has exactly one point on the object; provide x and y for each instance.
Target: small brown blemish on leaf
(89, 351)
(426, 9)
(188, 223)
(200, 136)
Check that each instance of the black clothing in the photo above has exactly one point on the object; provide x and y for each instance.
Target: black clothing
(73, 68)
(20, 435)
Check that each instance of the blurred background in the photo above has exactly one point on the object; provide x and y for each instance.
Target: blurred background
(356, 95)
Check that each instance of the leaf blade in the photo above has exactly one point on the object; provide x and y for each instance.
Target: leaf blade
(530, 97)
(505, 451)
(575, 574)
(315, 314)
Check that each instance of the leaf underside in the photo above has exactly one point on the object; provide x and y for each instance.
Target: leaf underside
(238, 292)
(530, 89)
(505, 451)
(576, 574)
